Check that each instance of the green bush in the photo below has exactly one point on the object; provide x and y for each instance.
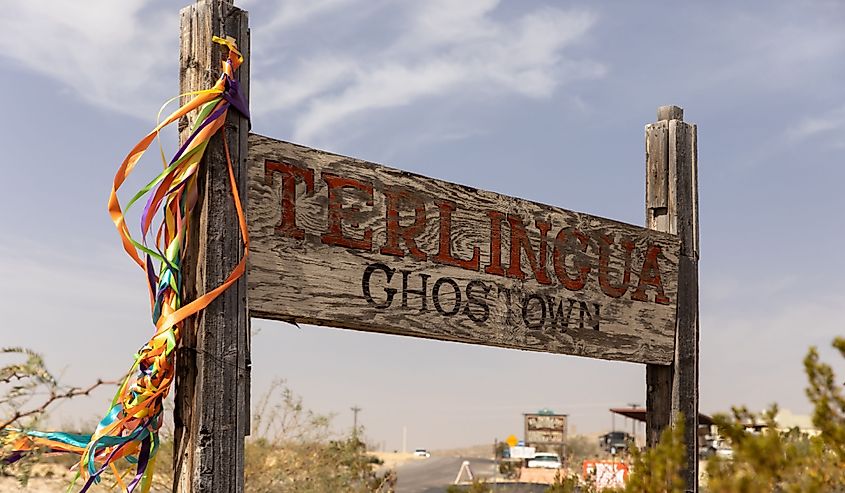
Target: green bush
(477, 486)
(292, 449)
(569, 484)
(767, 461)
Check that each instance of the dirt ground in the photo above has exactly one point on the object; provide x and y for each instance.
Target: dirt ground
(46, 478)
(392, 460)
(36, 485)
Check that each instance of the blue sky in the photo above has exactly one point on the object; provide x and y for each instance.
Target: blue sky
(541, 100)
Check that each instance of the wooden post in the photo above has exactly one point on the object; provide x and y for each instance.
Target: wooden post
(672, 206)
(212, 385)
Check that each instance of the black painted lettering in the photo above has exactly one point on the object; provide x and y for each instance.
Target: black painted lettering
(423, 293)
(585, 310)
(556, 314)
(365, 284)
(435, 296)
(473, 299)
(527, 311)
(508, 311)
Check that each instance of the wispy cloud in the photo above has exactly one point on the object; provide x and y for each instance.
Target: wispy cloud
(439, 50)
(830, 124)
(117, 55)
(789, 45)
(101, 50)
(311, 78)
(293, 12)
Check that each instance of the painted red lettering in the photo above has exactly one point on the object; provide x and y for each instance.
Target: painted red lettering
(605, 242)
(337, 214)
(495, 266)
(393, 200)
(559, 259)
(650, 276)
(444, 252)
(290, 173)
(520, 242)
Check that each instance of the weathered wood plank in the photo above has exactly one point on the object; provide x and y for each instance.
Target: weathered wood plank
(212, 406)
(657, 176)
(683, 152)
(658, 401)
(661, 215)
(545, 429)
(670, 112)
(346, 243)
(673, 389)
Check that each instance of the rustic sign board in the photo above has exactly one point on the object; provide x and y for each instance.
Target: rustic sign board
(547, 429)
(346, 243)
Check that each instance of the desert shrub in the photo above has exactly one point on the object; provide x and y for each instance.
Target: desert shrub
(293, 449)
(658, 469)
(570, 483)
(770, 460)
(787, 461)
(477, 486)
(580, 448)
(27, 391)
(509, 468)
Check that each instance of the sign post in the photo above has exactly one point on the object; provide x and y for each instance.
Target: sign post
(672, 207)
(212, 386)
(346, 243)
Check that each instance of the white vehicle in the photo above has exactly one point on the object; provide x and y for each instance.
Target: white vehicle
(547, 460)
(725, 451)
(421, 452)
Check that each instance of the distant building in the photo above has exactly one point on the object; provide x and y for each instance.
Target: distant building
(786, 420)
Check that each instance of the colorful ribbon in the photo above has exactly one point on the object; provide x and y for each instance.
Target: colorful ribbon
(130, 428)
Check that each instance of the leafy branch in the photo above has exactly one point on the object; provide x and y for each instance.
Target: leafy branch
(29, 389)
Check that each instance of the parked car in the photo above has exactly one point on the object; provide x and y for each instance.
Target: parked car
(421, 452)
(546, 460)
(615, 441)
(724, 450)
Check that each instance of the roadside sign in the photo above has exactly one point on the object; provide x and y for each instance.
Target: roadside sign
(545, 428)
(521, 452)
(605, 474)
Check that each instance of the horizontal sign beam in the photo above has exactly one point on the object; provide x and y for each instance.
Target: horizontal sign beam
(346, 243)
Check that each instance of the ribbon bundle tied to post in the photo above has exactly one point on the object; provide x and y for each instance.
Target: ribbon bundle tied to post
(129, 432)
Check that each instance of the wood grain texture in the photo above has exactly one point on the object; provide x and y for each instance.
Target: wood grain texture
(658, 401)
(661, 215)
(657, 175)
(683, 151)
(298, 275)
(670, 112)
(212, 389)
(672, 390)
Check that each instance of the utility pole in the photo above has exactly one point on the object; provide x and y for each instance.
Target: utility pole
(355, 411)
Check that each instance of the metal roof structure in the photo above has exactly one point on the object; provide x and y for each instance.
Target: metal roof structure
(638, 413)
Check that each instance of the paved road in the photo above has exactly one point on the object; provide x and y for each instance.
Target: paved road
(435, 474)
(432, 475)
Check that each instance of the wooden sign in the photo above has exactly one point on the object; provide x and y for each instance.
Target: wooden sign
(545, 429)
(346, 243)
